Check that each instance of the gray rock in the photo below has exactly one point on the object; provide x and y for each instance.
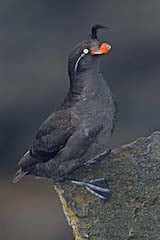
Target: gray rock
(133, 211)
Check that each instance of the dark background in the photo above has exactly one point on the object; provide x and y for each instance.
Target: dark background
(35, 39)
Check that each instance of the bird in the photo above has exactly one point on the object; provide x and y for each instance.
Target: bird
(77, 133)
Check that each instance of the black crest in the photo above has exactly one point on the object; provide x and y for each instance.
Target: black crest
(94, 30)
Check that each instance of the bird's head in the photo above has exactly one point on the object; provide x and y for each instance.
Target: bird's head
(86, 54)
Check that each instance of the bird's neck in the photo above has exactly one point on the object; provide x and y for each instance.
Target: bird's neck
(80, 79)
(83, 80)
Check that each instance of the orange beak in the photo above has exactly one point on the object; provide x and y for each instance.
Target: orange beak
(104, 48)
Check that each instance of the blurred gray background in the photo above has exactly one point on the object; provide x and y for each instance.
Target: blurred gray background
(35, 40)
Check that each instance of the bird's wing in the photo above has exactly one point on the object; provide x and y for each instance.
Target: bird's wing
(53, 135)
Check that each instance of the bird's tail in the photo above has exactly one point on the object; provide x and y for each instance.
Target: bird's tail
(19, 175)
(98, 187)
(24, 166)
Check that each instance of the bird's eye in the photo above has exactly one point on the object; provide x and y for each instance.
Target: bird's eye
(85, 51)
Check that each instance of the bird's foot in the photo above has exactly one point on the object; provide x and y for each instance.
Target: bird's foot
(98, 158)
(98, 187)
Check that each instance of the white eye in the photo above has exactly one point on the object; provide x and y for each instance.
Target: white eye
(85, 51)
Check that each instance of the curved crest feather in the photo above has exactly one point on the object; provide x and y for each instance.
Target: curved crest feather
(94, 30)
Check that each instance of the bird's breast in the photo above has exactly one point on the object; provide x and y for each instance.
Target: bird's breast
(95, 105)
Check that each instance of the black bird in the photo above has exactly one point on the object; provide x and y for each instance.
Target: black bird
(77, 133)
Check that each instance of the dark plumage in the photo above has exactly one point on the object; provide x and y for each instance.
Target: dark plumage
(80, 128)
